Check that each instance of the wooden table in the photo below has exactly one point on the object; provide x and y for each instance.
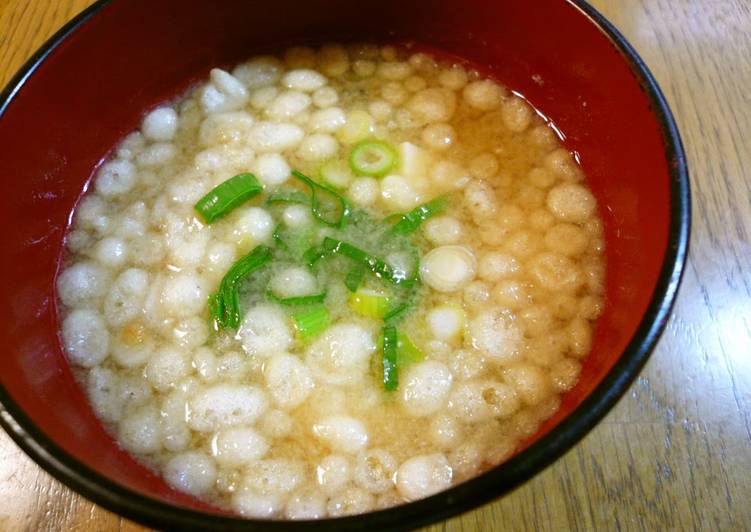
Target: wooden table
(675, 454)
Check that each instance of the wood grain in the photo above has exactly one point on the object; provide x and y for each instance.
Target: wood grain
(675, 454)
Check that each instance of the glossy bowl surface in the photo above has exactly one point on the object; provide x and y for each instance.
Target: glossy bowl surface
(92, 82)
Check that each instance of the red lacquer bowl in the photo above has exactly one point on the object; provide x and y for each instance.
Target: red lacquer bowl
(92, 82)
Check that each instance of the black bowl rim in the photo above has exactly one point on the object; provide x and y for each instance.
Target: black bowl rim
(460, 498)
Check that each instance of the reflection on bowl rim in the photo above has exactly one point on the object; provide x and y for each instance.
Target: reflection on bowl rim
(460, 498)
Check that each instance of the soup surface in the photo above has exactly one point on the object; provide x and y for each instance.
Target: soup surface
(332, 282)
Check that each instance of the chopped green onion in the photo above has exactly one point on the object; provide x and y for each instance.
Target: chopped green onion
(298, 300)
(227, 300)
(391, 218)
(354, 278)
(413, 219)
(402, 304)
(368, 303)
(406, 351)
(216, 311)
(390, 371)
(259, 256)
(397, 313)
(313, 255)
(288, 195)
(336, 173)
(373, 158)
(311, 321)
(231, 303)
(335, 212)
(374, 264)
(277, 236)
(227, 196)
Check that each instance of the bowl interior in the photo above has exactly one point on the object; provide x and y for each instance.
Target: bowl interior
(94, 87)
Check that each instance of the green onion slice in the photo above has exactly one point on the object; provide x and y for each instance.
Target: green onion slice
(277, 236)
(373, 158)
(393, 218)
(374, 264)
(354, 278)
(406, 351)
(296, 301)
(402, 304)
(225, 304)
(397, 313)
(216, 310)
(327, 204)
(313, 255)
(227, 196)
(369, 303)
(311, 321)
(390, 370)
(413, 219)
(288, 195)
